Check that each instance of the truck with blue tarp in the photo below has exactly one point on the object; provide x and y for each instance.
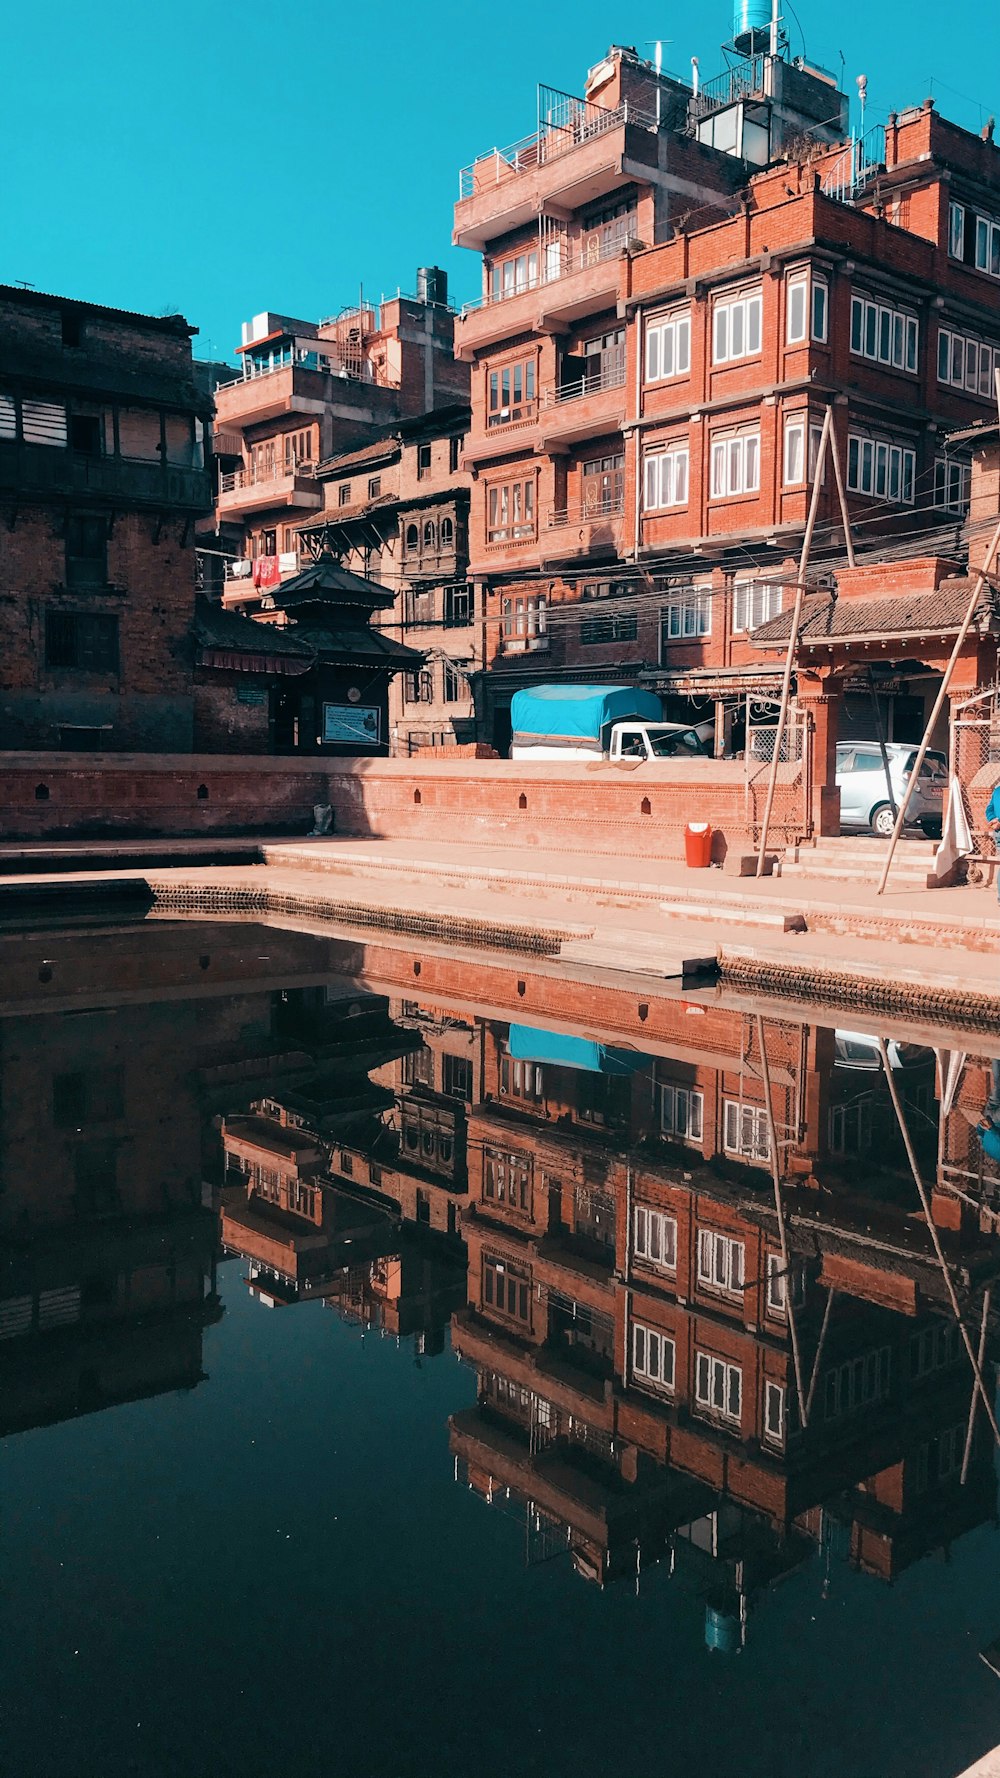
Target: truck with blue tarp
(614, 722)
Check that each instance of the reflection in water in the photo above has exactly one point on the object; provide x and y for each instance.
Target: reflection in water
(707, 1319)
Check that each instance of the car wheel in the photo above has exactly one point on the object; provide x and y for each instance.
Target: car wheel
(930, 827)
(882, 821)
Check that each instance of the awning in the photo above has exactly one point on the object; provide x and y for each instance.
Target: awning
(527, 1044)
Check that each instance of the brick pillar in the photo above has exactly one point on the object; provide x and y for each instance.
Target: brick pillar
(822, 700)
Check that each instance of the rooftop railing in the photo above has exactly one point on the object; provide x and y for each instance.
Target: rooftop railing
(568, 122)
(855, 166)
(726, 88)
(330, 362)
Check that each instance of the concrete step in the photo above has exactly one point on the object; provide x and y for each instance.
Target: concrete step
(731, 912)
(639, 953)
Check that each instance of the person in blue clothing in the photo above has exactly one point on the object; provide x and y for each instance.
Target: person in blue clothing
(988, 1127)
(993, 823)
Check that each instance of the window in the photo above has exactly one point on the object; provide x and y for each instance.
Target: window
(774, 1413)
(418, 604)
(412, 539)
(974, 239)
(523, 622)
(686, 616)
(610, 626)
(70, 325)
(507, 1178)
(8, 417)
(755, 602)
(682, 1113)
(43, 422)
(458, 604)
(654, 1237)
(720, 1262)
(668, 347)
(778, 1282)
(806, 306)
(298, 448)
(666, 479)
(745, 1131)
(887, 335)
(344, 494)
(934, 1349)
(86, 643)
(848, 1387)
(507, 1288)
(418, 1067)
(794, 456)
(520, 1080)
(966, 363)
(718, 1387)
(877, 467)
(510, 511)
(455, 684)
(454, 453)
(653, 1356)
(86, 551)
(850, 1125)
(430, 536)
(735, 464)
(423, 461)
(86, 434)
(951, 483)
(447, 533)
(456, 1078)
(347, 1163)
(603, 485)
(511, 393)
(606, 230)
(736, 327)
(510, 276)
(418, 688)
(374, 486)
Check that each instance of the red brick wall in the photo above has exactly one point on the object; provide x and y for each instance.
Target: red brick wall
(104, 795)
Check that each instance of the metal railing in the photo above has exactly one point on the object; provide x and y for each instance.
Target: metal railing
(241, 567)
(591, 384)
(735, 83)
(855, 166)
(554, 266)
(271, 475)
(331, 362)
(569, 123)
(602, 506)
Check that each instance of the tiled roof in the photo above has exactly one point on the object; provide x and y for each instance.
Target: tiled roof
(380, 451)
(904, 614)
(215, 628)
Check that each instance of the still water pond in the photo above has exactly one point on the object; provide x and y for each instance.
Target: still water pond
(397, 1379)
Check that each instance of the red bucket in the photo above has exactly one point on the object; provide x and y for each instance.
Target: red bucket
(698, 845)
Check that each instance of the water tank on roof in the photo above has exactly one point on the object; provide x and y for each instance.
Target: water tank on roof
(432, 284)
(751, 25)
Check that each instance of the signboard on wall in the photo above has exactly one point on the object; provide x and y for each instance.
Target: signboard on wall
(352, 725)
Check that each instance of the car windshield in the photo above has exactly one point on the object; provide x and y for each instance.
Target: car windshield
(935, 765)
(668, 746)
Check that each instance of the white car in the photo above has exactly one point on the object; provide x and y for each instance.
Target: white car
(864, 795)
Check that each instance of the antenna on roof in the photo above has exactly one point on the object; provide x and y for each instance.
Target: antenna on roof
(24, 284)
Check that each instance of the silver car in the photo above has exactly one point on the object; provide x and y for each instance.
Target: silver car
(864, 795)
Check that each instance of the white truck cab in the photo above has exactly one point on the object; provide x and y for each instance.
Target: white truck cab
(657, 740)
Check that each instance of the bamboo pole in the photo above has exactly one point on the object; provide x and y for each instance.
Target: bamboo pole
(972, 1405)
(911, 783)
(765, 1069)
(814, 1379)
(838, 476)
(794, 636)
(936, 1239)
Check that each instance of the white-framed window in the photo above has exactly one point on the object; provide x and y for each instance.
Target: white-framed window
(44, 422)
(951, 483)
(886, 335)
(878, 467)
(720, 1262)
(746, 1131)
(774, 1413)
(735, 464)
(850, 1126)
(755, 602)
(718, 1387)
(956, 230)
(682, 1113)
(966, 363)
(654, 1356)
(668, 346)
(654, 1237)
(666, 478)
(858, 1382)
(806, 308)
(793, 468)
(974, 238)
(736, 327)
(780, 1283)
(686, 616)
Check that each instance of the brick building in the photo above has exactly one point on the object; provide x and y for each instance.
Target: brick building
(661, 331)
(306, 392)
(101, 483)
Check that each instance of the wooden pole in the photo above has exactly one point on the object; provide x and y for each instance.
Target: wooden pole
(765, 1070)
(936, 1239)
(911, 783)
(794, 636)
(972, 1405)
(838, 476)
(814, 1379)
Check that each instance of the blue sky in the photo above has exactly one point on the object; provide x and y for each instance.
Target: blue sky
(221, 160)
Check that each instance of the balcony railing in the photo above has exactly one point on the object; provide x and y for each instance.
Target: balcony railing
(586, 512)
(569, 123)
(855, 166)
(271, 476)
(557, 265)
(592, 384)
(46, 468)
(329, 362)
(736, 83)
(241, 569)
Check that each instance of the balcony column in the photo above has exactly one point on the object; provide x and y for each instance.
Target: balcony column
(116, 429)
(821, 696)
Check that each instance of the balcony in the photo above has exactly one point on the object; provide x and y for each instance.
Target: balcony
(253, 490)
(42, 469)
(588, 407)
(590, 527)
(293, 385)
(577, 155)
(580, 281)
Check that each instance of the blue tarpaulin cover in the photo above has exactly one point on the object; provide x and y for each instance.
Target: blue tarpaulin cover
(558, 1048)
(580, 712)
